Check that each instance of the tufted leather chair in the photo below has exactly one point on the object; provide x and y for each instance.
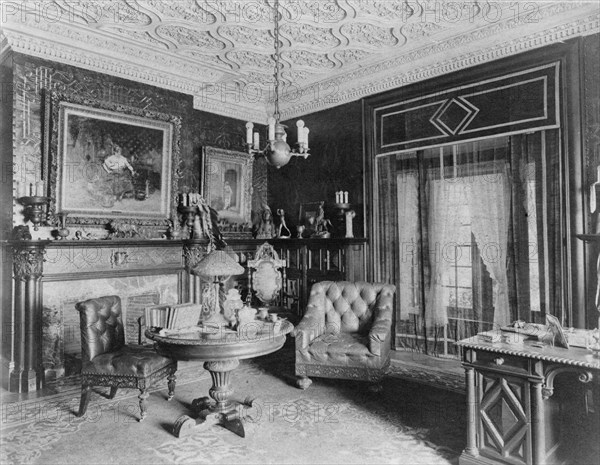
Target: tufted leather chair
(107, 361)
(346, 332)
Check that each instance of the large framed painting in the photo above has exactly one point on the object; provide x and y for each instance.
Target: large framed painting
(227, 185)
(110, 162)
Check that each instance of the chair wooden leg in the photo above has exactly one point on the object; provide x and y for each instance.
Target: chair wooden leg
(375, 387)
(171, 384)
(113, 392)
(143, 404)
(86, 392)
(303, 382)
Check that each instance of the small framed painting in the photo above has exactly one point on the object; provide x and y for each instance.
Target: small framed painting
(227, 184)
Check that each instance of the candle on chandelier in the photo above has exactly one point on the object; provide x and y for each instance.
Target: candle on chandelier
(256, 141)
(271, 121)
(249, 127)
(306, 131)
(346, 197)
(300, 126)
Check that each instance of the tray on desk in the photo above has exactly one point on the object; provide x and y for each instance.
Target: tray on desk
(575, 337)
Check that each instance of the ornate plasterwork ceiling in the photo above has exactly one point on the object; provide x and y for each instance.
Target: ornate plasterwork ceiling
(333, 51)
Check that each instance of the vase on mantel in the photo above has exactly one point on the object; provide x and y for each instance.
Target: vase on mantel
(62, 232)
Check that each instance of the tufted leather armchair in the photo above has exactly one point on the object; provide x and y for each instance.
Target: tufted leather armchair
(346, 332)
(107, 361)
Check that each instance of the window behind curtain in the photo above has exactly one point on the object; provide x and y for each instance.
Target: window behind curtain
(464, 233)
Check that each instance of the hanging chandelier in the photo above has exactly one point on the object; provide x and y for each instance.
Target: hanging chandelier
(277, 151)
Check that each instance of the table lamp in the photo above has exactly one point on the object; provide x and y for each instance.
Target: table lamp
(218, 265)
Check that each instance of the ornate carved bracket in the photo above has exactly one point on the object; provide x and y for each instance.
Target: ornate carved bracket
(585, 376)
(28, 262)
(192, 254)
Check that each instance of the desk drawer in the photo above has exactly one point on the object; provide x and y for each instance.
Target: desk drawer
(502, 362)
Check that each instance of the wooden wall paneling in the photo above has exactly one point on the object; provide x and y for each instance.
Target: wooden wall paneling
(6, 211)
(33, 75)
(335, 163)
(591, 161)
(572, 213)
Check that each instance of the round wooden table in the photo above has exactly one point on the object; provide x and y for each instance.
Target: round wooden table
(221, 349)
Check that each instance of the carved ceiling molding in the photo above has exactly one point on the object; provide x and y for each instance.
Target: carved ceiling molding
(350, 87)
(333, 51)
(61, 53)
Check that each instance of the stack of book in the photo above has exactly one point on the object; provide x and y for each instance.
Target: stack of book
(172, 316)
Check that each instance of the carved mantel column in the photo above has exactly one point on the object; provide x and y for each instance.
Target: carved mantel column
(27, 374)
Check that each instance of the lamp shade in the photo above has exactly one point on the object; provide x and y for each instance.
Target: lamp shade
(217, 263)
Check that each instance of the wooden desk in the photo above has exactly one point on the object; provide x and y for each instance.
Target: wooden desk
(221, 352)
(510, 413)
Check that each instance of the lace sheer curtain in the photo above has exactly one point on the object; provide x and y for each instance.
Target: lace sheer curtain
(409, 243)
(481, 203)
(465, 232)
(490, 217)
(443, 226)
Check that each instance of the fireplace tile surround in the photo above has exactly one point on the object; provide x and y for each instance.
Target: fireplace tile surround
(51, 276)
(61, 342)
(41, 334)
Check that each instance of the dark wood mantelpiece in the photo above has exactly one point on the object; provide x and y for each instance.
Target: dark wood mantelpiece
(36, 262)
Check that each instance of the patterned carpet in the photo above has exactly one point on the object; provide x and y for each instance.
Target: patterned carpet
(333, 421)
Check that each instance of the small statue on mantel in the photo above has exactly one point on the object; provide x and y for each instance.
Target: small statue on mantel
(282, 231)
(118, 229)
(21, 233)
(266, 228)
(173, 228)
(322, 224)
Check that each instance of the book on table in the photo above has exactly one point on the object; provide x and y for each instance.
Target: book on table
(172, 316)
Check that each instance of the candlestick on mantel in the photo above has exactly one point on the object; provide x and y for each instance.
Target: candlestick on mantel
(34, 208)
(349, 217)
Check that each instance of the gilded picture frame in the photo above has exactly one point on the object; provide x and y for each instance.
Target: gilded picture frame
(108, 161)
(227, 185)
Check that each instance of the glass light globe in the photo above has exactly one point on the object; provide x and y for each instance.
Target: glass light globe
(280, 154)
